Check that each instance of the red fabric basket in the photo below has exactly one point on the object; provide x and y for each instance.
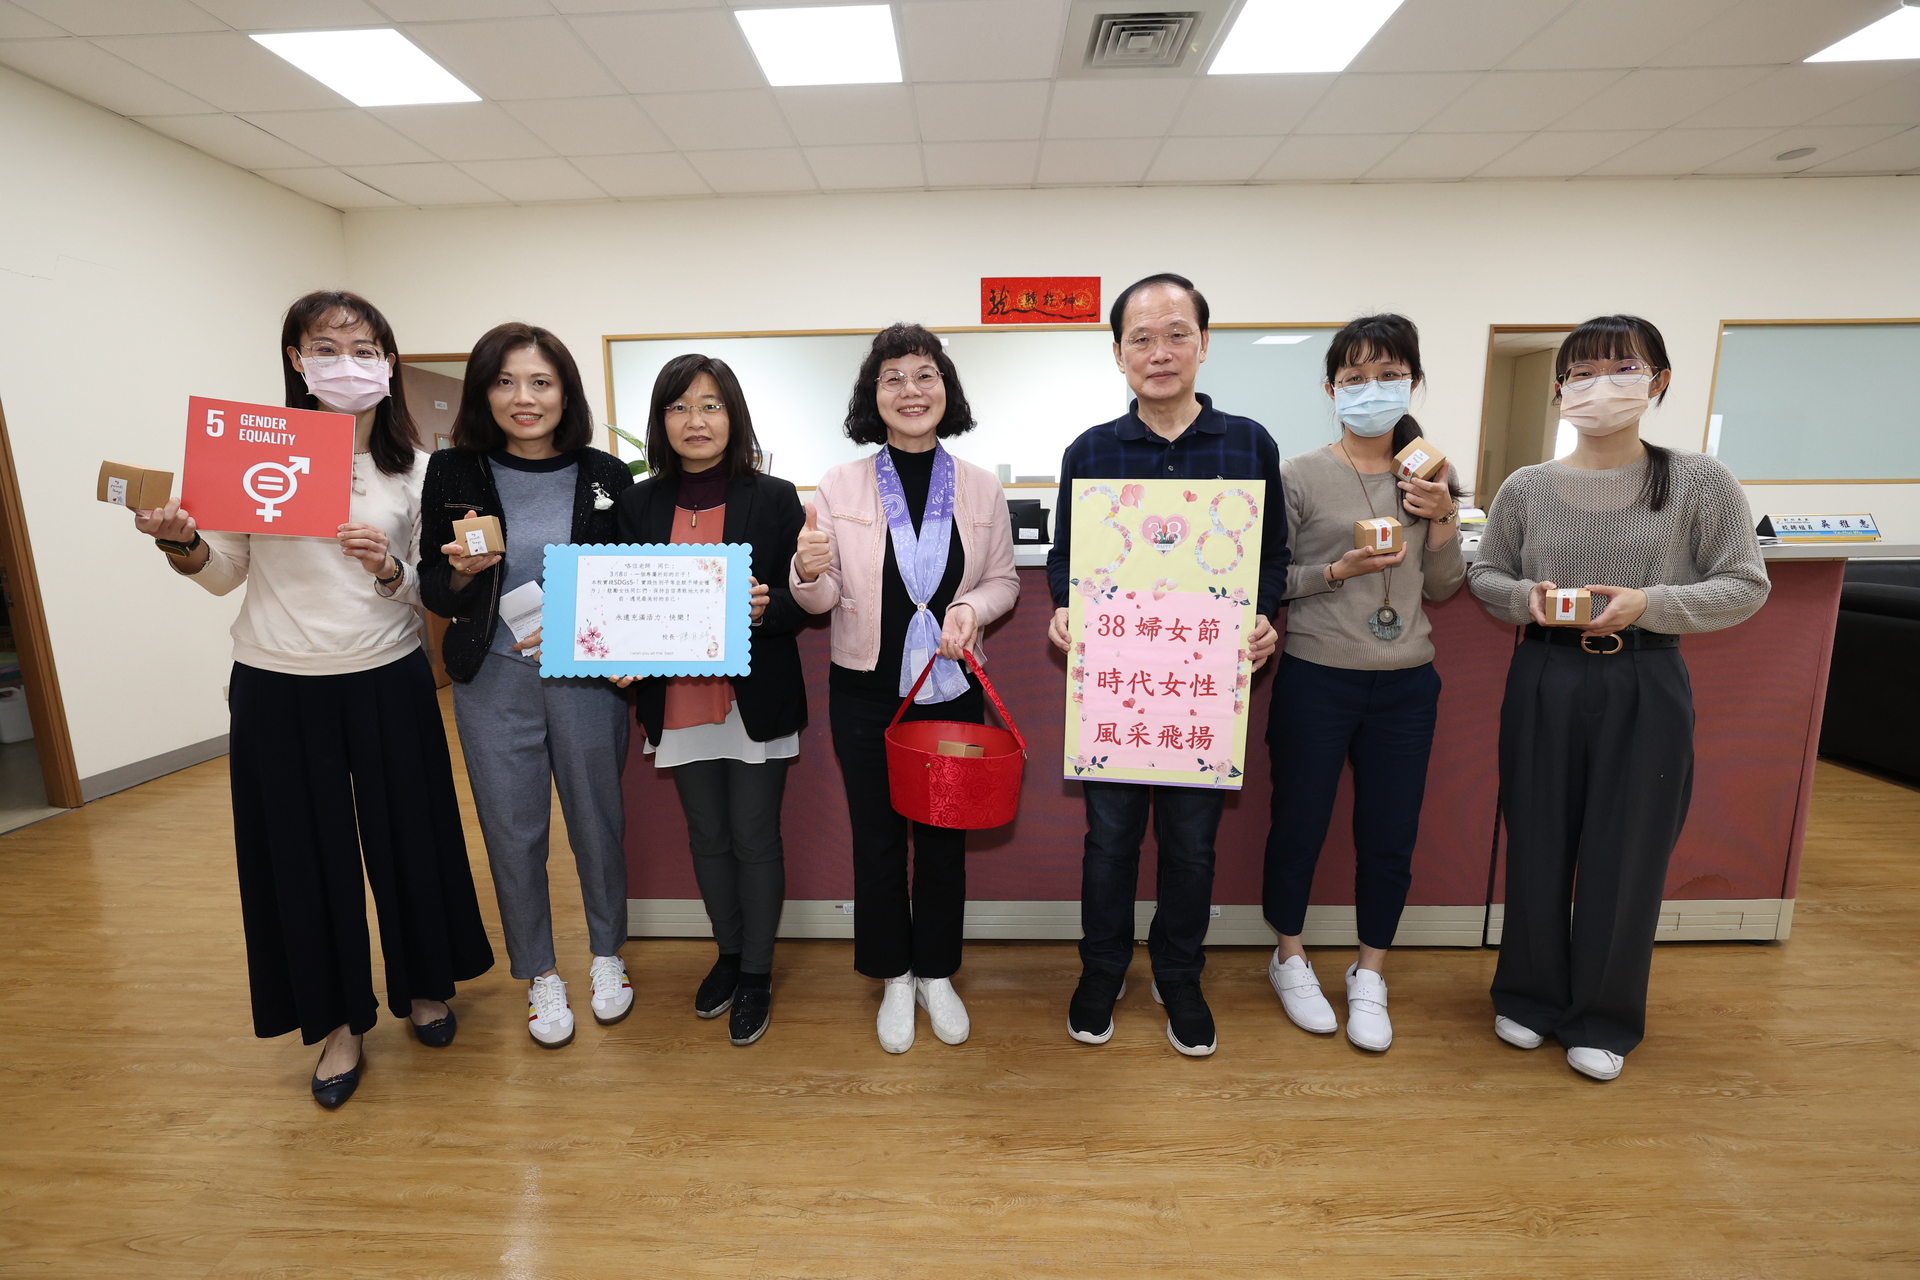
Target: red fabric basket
(969, 792)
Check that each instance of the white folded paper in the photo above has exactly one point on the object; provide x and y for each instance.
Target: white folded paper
(520, 609)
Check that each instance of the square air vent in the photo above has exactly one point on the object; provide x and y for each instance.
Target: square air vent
(1132, 41)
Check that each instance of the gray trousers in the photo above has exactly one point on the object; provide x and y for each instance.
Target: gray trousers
(733, 824)
(523, 735)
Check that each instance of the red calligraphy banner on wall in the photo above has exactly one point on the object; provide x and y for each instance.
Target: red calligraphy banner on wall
(1039, 299)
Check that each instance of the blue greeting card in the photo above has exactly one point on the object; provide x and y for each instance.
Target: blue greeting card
(647, 610)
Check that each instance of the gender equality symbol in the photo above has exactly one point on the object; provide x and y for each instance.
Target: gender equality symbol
(272, 483)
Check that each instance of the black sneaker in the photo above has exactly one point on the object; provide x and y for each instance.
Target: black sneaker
(716, 992)
(1189, 1021)
(1090, 1016)
(752, 1011)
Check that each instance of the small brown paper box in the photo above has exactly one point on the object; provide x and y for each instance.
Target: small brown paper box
(970, 749)
(480, 535)
(1569, 607)
(135, 488)
(1382, 534)
(1420, 460)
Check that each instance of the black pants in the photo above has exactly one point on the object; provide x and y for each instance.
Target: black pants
(1321, 717)
(733, 824)
(1185, 822)
(892, 931)
(1596, 770)
(328, 771)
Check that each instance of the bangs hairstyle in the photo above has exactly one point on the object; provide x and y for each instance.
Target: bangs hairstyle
(864, 425)
(675, 377)
(1117, 314)
(393, 441)
(1623, 338)
(1383, 337)
(474, 428)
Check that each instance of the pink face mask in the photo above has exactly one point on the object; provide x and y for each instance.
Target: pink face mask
(344, 384)
(1605, 406)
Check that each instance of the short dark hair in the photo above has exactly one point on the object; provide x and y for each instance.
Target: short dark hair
(1117, 316)
(392, 444)
(674, 378)
(474, 427)
(1382, 337)
(864, 425)
(1621, 337)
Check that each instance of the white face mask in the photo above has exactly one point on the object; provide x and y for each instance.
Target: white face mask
(1606, 406)
(346, 384)
(1372, 408)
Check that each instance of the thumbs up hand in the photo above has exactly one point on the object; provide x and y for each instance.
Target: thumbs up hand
(814, 554)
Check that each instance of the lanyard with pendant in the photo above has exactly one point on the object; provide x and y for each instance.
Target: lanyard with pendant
(1384, 622)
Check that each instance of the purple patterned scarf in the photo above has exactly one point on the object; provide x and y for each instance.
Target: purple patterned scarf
(923, 563)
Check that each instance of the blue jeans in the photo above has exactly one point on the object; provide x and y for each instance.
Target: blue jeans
(1185, 820)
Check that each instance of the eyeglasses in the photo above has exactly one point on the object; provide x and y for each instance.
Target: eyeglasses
(925, 380)
(321, 349)
(1361, 379)
(1630, 373)
(1175, 340)
(706, 409)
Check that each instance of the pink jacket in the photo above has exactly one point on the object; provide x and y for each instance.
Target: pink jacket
(847, 509)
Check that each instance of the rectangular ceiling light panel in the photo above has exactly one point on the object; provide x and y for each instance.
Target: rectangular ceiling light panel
(1279, 37)
(842, 44)
(378, 68)
(1895, 36)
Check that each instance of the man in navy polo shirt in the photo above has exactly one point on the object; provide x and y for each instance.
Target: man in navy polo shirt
(1159, 342)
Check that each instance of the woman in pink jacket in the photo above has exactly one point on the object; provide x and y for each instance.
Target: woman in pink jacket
(912, 551)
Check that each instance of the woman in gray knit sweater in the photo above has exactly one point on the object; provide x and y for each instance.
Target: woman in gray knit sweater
(1596, 733)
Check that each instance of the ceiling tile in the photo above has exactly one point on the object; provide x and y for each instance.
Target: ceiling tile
(330, 187)
(982, 112)
(123, 17)
(717, 121)
(1438, 157)
(91, 73)
(231, 139)
(591, 126)
(1384, 104)
(981, 39)
(1793, 95)
(1830, 143)
(464, 131)
(1234, 159)
(424, 183)
(450, 10)
(1678, 151)
(1228, 105)
(1562, 155)
(1657, 99)
(17, 24)
(630, 6)
(293, 15)
(1101, 160)
(643, 177)
(1114, 108)
(1758, 32)
(1895, 103)
(841, 114)
(1613, 33)
(1898, 154)
(673, 52)
(516, 58)
(1459, 35)
(1328, 157)
(853, 168)
(980, 164)
(530, 181)
(341, 137)
(227, 69)
(1527, 100)
(770, 169)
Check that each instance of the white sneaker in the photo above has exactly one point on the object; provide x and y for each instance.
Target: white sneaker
(549, 1017)
(895, 1022)
(1299, 991)
(612, 992)
(1516, 1035)
(1601, 1064)
(1367, 1023)
(944, 1008)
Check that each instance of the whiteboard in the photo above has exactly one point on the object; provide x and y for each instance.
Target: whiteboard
(1816, 402)
(1032, 391)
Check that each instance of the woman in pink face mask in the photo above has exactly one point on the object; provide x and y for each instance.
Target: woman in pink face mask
(1596, 733)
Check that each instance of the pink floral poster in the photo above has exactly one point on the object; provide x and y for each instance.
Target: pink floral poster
(1164, 574)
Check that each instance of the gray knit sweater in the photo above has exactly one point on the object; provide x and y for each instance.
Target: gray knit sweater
(1697, 558)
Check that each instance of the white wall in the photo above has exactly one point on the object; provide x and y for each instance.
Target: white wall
(134, 271)
(1456, 257)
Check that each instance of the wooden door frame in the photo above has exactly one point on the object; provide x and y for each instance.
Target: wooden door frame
(1481, 499)
(32, 641)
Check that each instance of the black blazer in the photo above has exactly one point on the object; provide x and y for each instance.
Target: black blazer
(459, 481)
(765, 512)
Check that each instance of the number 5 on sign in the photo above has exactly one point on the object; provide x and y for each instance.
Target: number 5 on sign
(1164, 576)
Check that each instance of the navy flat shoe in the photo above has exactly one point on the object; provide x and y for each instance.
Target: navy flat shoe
(335, 1090)
(437, 1034)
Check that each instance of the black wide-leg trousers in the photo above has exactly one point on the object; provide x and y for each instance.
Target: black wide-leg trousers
(1596, 771)
(333, 774)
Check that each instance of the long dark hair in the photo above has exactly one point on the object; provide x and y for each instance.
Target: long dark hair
(864, 425)
(1624, 338)
(474, 428)
(1383, 337)
(675, 377)
(392, 443)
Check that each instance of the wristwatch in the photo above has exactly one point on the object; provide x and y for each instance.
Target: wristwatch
(399, 572)
(1450, 517)
(179, 550)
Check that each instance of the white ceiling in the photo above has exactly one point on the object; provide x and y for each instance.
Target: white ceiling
(643, 99)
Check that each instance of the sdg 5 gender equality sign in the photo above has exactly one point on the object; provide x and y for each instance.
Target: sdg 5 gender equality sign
(258, 468)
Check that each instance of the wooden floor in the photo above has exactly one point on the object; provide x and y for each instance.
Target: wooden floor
(1769, 1127)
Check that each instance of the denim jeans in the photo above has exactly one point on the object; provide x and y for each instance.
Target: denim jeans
(1185, 820)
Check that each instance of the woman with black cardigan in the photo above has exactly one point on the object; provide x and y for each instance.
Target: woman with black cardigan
(520, 454)
(728, 739)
